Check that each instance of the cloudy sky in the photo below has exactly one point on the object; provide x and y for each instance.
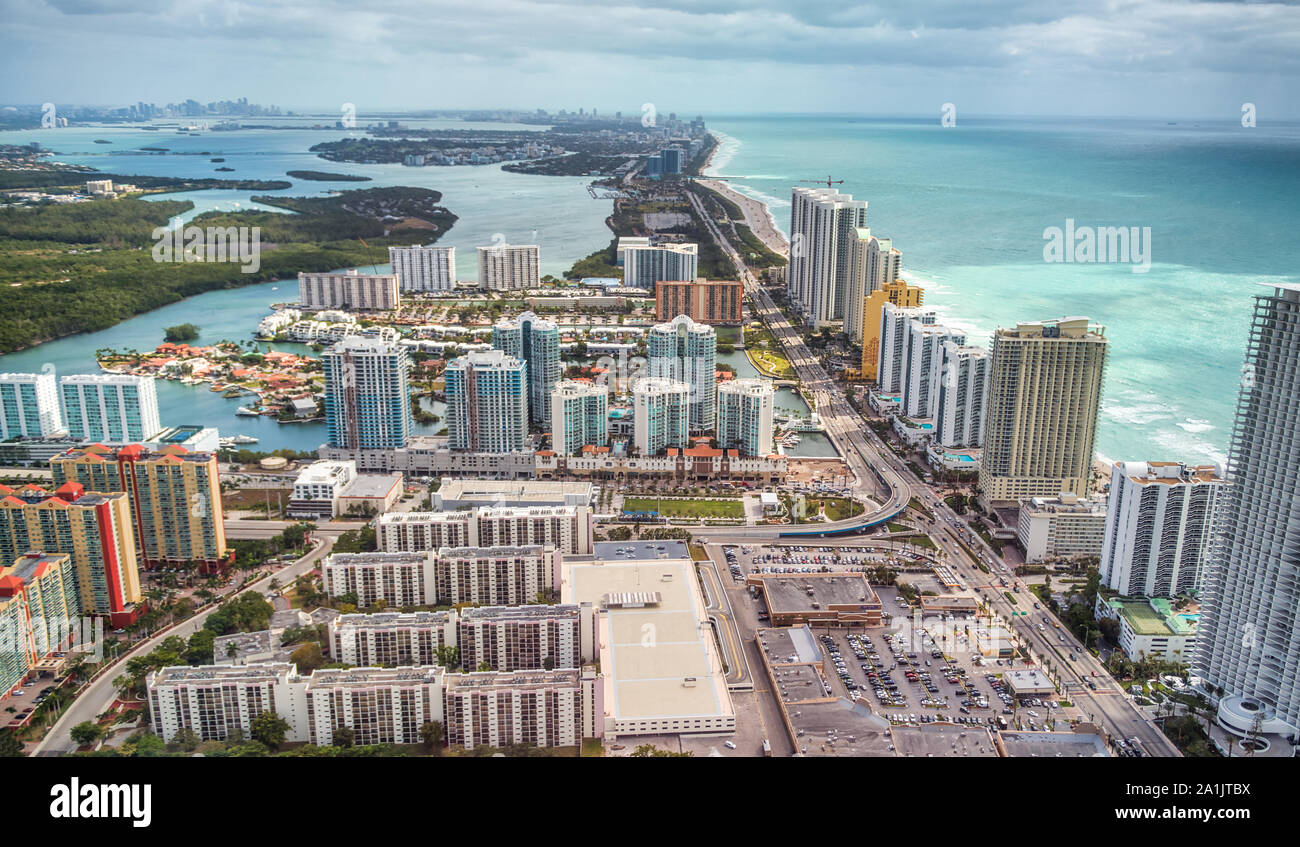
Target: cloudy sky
(1145, 58)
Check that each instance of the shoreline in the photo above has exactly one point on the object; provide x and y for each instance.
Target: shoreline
(758, 217)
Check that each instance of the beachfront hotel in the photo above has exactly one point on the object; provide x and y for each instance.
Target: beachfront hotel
(895, 323)
(873, 263)
(421, 268)
(1249, 643)
(823, 226)
(1044, 398)
(580, 412)
(685, 351)
(29, 406)
(923, 366)
(94, 530)
(349, 290)
(366, 402)
(175, 498)
(1159, 526)
(745, 416)
(509, 267)
(644, 266)
(487, 402)
(537, 342)
(110, 408)
(961, 396)
(660, 415)
(713, 302)
(900, 294)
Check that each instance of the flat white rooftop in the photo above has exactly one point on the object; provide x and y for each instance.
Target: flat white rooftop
(659, 661)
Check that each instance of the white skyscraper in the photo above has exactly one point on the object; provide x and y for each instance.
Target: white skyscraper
(537, 342)
(509, 267)
(644, 266)
(29, 406)
(580, 411)
(963, 390)
(110, 408)
(873, 262)
(686, 351)
(660, 414)
(923, 365)
(424, 268)
(1158, 527)
(487, 403)
(367, 406)
(745, 416)
(1249, 643)
(823, 226)
(894, 322)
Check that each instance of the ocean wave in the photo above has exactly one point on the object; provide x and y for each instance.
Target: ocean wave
(1193, 425)
(1190, 450)
(728, 146)
(1137, 413)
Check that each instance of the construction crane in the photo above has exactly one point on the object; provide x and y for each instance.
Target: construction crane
(828, 181)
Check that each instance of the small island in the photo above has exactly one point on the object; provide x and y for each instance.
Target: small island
(325, 176)
(181, 332)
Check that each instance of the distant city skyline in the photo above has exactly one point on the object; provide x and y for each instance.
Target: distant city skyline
(1137, 59)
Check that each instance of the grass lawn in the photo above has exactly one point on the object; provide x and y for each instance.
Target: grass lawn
(837, 508)
(686, 508)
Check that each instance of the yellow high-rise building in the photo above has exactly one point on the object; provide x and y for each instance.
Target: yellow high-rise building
(94, 530)
(38, 600)
(1044, 396)
(897, 292)
(175, 495)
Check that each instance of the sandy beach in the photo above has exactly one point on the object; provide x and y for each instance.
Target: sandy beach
(757, 216)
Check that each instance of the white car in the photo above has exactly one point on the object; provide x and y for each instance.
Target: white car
(730, 745)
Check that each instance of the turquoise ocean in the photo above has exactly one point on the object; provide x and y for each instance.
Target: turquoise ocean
(967, 206)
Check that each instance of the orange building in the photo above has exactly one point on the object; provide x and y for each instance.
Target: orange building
(712, 302)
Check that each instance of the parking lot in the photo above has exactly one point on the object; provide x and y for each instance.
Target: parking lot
(24, 699)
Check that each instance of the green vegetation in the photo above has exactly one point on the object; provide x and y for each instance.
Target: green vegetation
(249, 612)
(649, 751)
(675, 508)
(84, 267)
(326, 176)
(181, 332)
(357, 541)
(75, 181)
(600, 263)
(751, 248)
(835, 508)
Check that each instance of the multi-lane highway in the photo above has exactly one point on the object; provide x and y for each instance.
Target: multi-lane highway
(881, 474)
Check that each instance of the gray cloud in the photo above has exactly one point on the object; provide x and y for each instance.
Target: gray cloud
(488, 52)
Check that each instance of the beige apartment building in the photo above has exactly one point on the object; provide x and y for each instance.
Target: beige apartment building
(1043, 399)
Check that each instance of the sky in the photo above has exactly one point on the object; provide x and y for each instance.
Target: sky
(1129, 58)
